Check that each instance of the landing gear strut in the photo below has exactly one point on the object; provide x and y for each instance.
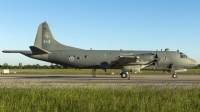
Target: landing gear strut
(124, 74)
(174, 75)
(94, 72)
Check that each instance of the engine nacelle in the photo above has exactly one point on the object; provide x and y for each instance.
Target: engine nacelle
(132, 68)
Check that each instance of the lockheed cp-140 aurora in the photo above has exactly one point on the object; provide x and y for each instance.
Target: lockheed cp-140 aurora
(46, 48)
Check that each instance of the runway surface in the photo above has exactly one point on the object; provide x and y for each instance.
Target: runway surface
(183, 81)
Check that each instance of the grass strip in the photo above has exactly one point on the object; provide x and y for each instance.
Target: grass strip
(144, 99)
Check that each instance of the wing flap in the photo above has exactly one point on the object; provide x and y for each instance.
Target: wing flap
(123, 60)
(140, 59)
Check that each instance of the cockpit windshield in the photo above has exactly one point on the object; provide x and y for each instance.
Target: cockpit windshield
(182, 55)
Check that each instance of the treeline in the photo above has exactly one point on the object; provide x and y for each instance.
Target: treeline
(37, 66)
(198, 66)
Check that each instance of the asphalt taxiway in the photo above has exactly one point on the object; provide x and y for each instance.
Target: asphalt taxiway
(182, 81)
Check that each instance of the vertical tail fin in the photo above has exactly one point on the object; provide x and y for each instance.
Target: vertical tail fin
(44, 40)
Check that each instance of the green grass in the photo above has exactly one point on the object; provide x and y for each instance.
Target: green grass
(88, 71)
(95, 99)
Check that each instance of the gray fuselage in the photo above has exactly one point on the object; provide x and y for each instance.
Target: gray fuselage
(100, 59)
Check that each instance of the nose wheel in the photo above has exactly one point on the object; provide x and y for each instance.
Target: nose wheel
(174, 75)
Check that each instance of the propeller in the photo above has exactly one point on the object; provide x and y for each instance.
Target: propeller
(156, 60)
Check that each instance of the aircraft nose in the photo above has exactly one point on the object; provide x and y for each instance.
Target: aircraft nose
(196, 63)
(193, 63)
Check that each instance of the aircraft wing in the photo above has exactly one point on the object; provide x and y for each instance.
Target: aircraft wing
(140, 59)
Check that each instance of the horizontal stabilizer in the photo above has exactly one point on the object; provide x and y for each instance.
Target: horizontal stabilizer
(37, 51)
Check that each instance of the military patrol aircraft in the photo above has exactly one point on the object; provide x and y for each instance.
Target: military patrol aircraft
(46, 48)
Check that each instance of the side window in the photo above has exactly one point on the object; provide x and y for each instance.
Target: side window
(182, 55)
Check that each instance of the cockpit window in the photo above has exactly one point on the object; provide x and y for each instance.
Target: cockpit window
(182, 55)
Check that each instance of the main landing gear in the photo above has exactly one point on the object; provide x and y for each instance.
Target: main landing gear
(94, 72)
(174, 75)
(124, 74)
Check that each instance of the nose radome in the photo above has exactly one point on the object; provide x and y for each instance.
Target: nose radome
(196, 63)
(193, 63)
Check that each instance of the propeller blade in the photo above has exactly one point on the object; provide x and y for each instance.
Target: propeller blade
(156, 60)
(170, 67)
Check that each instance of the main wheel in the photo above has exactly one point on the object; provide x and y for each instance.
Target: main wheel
(124, 75)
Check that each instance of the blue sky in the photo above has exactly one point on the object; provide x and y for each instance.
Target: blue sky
(101, 25)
